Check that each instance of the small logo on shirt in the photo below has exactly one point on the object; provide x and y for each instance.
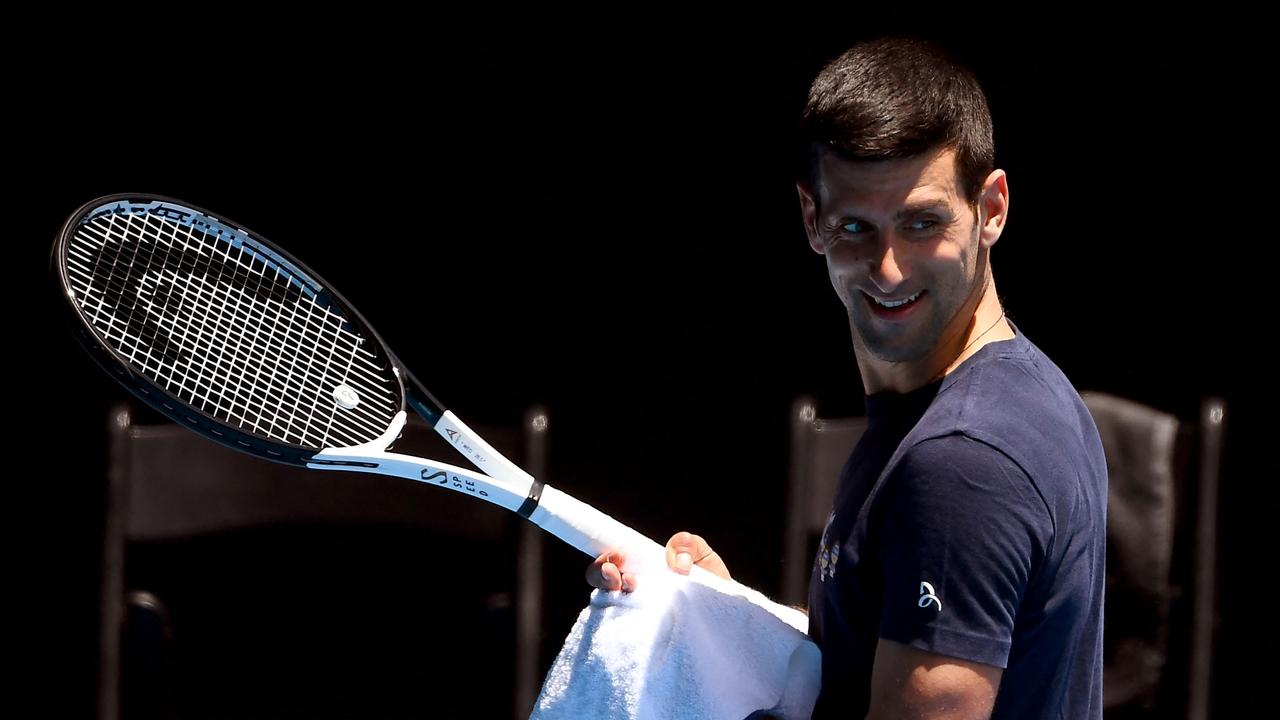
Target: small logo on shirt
(827, 557)
(927, 596)
(828, 553)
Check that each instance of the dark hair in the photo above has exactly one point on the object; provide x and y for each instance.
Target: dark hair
(898, 97)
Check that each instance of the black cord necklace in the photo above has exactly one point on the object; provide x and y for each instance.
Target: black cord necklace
(943, 373)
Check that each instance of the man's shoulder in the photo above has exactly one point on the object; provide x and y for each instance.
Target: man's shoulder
(957, 449)
(960, 470)
(1016, 400)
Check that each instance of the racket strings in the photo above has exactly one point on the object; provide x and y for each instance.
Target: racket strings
(193, 319)
(226, 329)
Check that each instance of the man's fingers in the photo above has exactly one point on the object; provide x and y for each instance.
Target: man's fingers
(684, 550)
(607, 573)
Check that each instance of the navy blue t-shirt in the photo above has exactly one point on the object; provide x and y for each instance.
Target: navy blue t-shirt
(970, 521)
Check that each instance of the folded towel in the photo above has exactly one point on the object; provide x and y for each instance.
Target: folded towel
(683, 648)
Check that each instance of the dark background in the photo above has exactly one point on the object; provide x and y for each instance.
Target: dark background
(597, 214)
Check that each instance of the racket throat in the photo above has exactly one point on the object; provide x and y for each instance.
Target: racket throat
(489, 461)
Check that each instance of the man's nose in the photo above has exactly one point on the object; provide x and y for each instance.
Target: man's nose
(885, 271)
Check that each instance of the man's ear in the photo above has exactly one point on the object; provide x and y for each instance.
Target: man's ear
(809, 213)
(995, 206)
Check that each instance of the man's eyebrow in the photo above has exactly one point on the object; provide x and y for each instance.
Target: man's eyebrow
(909, 210)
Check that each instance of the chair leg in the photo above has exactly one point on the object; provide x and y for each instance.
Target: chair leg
(1204, 580)
(146, 665)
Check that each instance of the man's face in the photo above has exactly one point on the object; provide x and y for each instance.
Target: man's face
(895, 230)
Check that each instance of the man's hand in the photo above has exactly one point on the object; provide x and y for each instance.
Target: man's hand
(684, 550)
(606, 572)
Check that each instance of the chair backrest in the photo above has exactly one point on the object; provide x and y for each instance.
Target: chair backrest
(166, 483)
(819, 449)
(1163, 475)
(1140, 444)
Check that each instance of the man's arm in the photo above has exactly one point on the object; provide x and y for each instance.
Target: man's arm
(968, 531)
(911, 683)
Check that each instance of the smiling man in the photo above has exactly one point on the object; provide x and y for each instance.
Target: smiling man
(961, 571)
(908, 255)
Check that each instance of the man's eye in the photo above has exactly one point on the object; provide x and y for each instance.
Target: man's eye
(855, 228)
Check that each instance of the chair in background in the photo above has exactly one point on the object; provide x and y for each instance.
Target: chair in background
(1162, 509)
(819, 449)
(1161, 542)
(167, 486)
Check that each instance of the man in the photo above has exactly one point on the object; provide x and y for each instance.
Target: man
(961, 571)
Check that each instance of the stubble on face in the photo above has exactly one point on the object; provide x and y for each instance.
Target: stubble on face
(946, 298)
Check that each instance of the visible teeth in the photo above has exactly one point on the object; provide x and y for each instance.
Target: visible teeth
(897, 303)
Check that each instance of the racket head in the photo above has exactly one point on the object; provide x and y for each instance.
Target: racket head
(223, 331)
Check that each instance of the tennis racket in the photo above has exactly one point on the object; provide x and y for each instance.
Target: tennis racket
(230, 336)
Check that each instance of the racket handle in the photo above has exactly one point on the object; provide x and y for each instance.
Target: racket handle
(569, 519)
(594, 532)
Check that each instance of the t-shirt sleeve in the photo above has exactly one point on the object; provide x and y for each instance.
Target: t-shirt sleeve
(962, 532)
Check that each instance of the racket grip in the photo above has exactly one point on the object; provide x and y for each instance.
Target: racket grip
(594, 532)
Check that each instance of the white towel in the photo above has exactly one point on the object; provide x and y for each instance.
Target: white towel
(683, 648)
